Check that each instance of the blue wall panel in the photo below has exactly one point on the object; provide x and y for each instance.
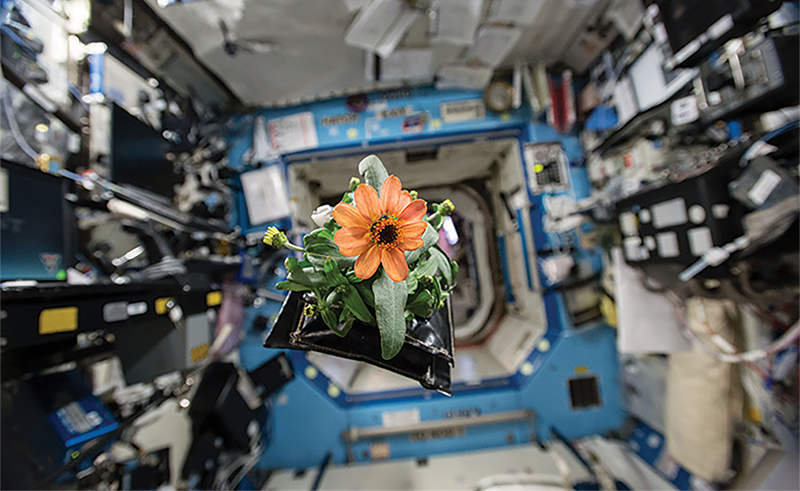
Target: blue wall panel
(310, 413)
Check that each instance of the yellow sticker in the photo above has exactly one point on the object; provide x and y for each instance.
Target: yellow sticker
(352, 133)
(436, 123)
(537, 168)
(505, 116)
(64, 319)
(161, 305)
(581, 369)
(213, 298)
(609, 310)
(199, 352)
(753, 414)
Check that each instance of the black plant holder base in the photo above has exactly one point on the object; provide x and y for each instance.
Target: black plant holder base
(426, 356)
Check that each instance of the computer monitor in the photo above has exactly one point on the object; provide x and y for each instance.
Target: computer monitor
(139, 155)
(37, 240)
(696, 28)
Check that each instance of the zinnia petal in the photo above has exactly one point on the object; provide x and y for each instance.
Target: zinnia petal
(414, 211)
(368, 262)
(414, 229)
(394, 262)
(405, 199)
(347, 215)
(356, 251)
(367, 202)
(350, 238)
(390, 195)
(411, 243)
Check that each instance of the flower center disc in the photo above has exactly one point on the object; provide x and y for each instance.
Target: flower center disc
(386, 233)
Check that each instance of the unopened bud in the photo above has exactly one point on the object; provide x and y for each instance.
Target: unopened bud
(446, 207)
(275, 238)
(310, 310)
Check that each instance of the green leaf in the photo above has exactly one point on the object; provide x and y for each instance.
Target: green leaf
(292, 286)
(354, 302)
(390, 302)
(345, 323)
(430, 237)
(426, 267)
(373, 172)
(332, 226)
(292, 264)
(437, 294)
(329, 318)
(443, 263)
(421, 304)
(412, 282)
(324, 232)
(366, 293)
(352, 278)
(334, 299)
(319, 248)
(308, 277)
(332, 273)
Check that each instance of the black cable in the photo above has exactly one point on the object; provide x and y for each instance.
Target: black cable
(321, 472)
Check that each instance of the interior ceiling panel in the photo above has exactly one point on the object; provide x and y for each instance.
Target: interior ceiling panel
(452, 164)
(311, 60)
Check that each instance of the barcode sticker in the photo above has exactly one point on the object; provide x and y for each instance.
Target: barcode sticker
(74, 419)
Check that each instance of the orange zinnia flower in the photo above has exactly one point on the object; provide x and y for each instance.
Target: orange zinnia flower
(379, 230)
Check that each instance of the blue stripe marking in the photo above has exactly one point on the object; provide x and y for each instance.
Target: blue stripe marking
(525, 252)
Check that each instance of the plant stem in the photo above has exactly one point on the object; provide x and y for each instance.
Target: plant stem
(293, 247)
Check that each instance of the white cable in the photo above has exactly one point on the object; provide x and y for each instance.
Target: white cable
(573, 4)
(246, 462)
(562, 466)
(788, 338)
(15, 132)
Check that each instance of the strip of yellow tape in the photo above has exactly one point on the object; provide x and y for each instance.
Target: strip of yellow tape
(63, 319)
(161, 305)
(213, 298)
(199, 352)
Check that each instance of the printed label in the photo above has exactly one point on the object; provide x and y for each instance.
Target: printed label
(400, 418)
(74, 418)
(395, 112)
(766, 183)
(115, 312)
(137, 308)
(668, 244)
(669, 213)
(700, 240)
(459, 111)
(293, 133)
(684, 111)
(349, 118)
